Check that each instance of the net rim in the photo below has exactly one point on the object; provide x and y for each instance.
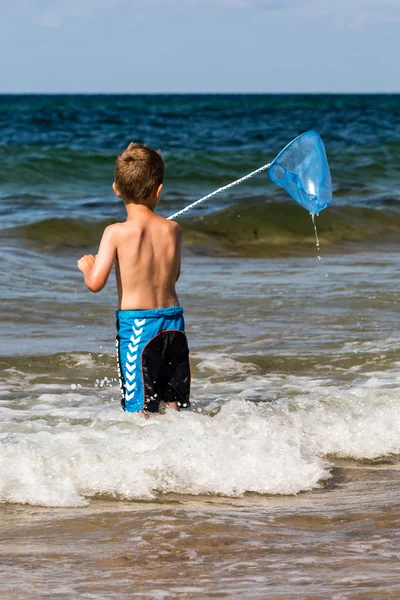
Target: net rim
(309, 133)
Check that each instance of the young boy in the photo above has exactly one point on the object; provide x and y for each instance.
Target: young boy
(152, 350)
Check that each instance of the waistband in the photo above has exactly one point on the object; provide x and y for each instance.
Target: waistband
(156, 313)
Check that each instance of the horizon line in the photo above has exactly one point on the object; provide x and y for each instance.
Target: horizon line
(160, 93)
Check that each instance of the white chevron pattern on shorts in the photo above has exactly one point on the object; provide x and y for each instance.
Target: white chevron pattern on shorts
(130, 386)
(132, 359)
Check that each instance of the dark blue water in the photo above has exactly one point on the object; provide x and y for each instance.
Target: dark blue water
(57, 152)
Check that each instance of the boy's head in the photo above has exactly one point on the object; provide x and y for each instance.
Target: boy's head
(139, 174)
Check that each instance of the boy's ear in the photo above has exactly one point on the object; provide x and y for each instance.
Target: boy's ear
(158, 192)
(116, 190)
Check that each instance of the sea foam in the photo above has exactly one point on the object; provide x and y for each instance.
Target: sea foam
(267, 448)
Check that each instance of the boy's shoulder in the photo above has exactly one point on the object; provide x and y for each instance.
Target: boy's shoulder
(175, 231)
(171, 226)
(116, 229)
(112, 230)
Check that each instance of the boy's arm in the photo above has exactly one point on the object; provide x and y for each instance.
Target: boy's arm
(97, 269)
(179, 247)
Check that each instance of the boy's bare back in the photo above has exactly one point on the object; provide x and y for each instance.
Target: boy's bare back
(148, 256)
(146, 249)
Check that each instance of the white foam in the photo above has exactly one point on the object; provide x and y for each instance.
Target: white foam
(375, 346)
(66, 446)
(231, 453)
(225, 365)
(354, 423)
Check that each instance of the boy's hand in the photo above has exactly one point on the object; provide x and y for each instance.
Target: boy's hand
(86, 262)
(96, 269)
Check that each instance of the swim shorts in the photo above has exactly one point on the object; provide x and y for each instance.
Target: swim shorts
(153, 358)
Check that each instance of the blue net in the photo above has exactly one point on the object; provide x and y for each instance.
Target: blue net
(302, 169)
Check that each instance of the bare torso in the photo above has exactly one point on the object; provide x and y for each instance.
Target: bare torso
(146, 251)
(147, 262)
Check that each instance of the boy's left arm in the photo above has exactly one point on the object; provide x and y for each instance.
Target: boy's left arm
(96, 270)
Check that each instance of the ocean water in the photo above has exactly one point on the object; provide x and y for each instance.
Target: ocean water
(282, 481)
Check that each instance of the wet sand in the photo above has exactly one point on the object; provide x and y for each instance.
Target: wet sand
(339, 542)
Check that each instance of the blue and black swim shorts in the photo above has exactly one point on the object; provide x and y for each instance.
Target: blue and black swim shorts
(153, 358)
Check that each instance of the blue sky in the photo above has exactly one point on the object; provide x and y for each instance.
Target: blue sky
(199, 46)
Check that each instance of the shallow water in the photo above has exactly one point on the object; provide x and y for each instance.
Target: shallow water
(341, 543)
(295, 375)
(294, 360)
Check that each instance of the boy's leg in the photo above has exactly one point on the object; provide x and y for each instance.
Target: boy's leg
(166, 370)
(131, 340)
(174, 379)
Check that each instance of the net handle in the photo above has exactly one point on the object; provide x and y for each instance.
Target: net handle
(218, 191)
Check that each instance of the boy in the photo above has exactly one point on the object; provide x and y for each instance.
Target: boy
(152, 350)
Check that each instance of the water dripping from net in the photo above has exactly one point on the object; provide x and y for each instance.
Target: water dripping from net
(316, 234)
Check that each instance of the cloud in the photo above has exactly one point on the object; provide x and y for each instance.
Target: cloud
(50, 13)
(341, 14)
(356, 14)
(263, 4)
(48, 20)
(353, 14)
(243, 4)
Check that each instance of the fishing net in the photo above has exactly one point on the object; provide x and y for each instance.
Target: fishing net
(302, 169)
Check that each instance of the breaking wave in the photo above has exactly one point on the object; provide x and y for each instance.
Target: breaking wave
(246, 230)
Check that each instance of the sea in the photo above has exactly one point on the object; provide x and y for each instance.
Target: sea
(282, 481)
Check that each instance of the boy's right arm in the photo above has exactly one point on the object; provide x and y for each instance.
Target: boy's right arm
(97, 270)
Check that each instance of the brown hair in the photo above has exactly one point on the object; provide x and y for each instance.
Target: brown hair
(139, 171)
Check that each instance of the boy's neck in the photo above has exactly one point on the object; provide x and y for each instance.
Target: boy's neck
(134, 210)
